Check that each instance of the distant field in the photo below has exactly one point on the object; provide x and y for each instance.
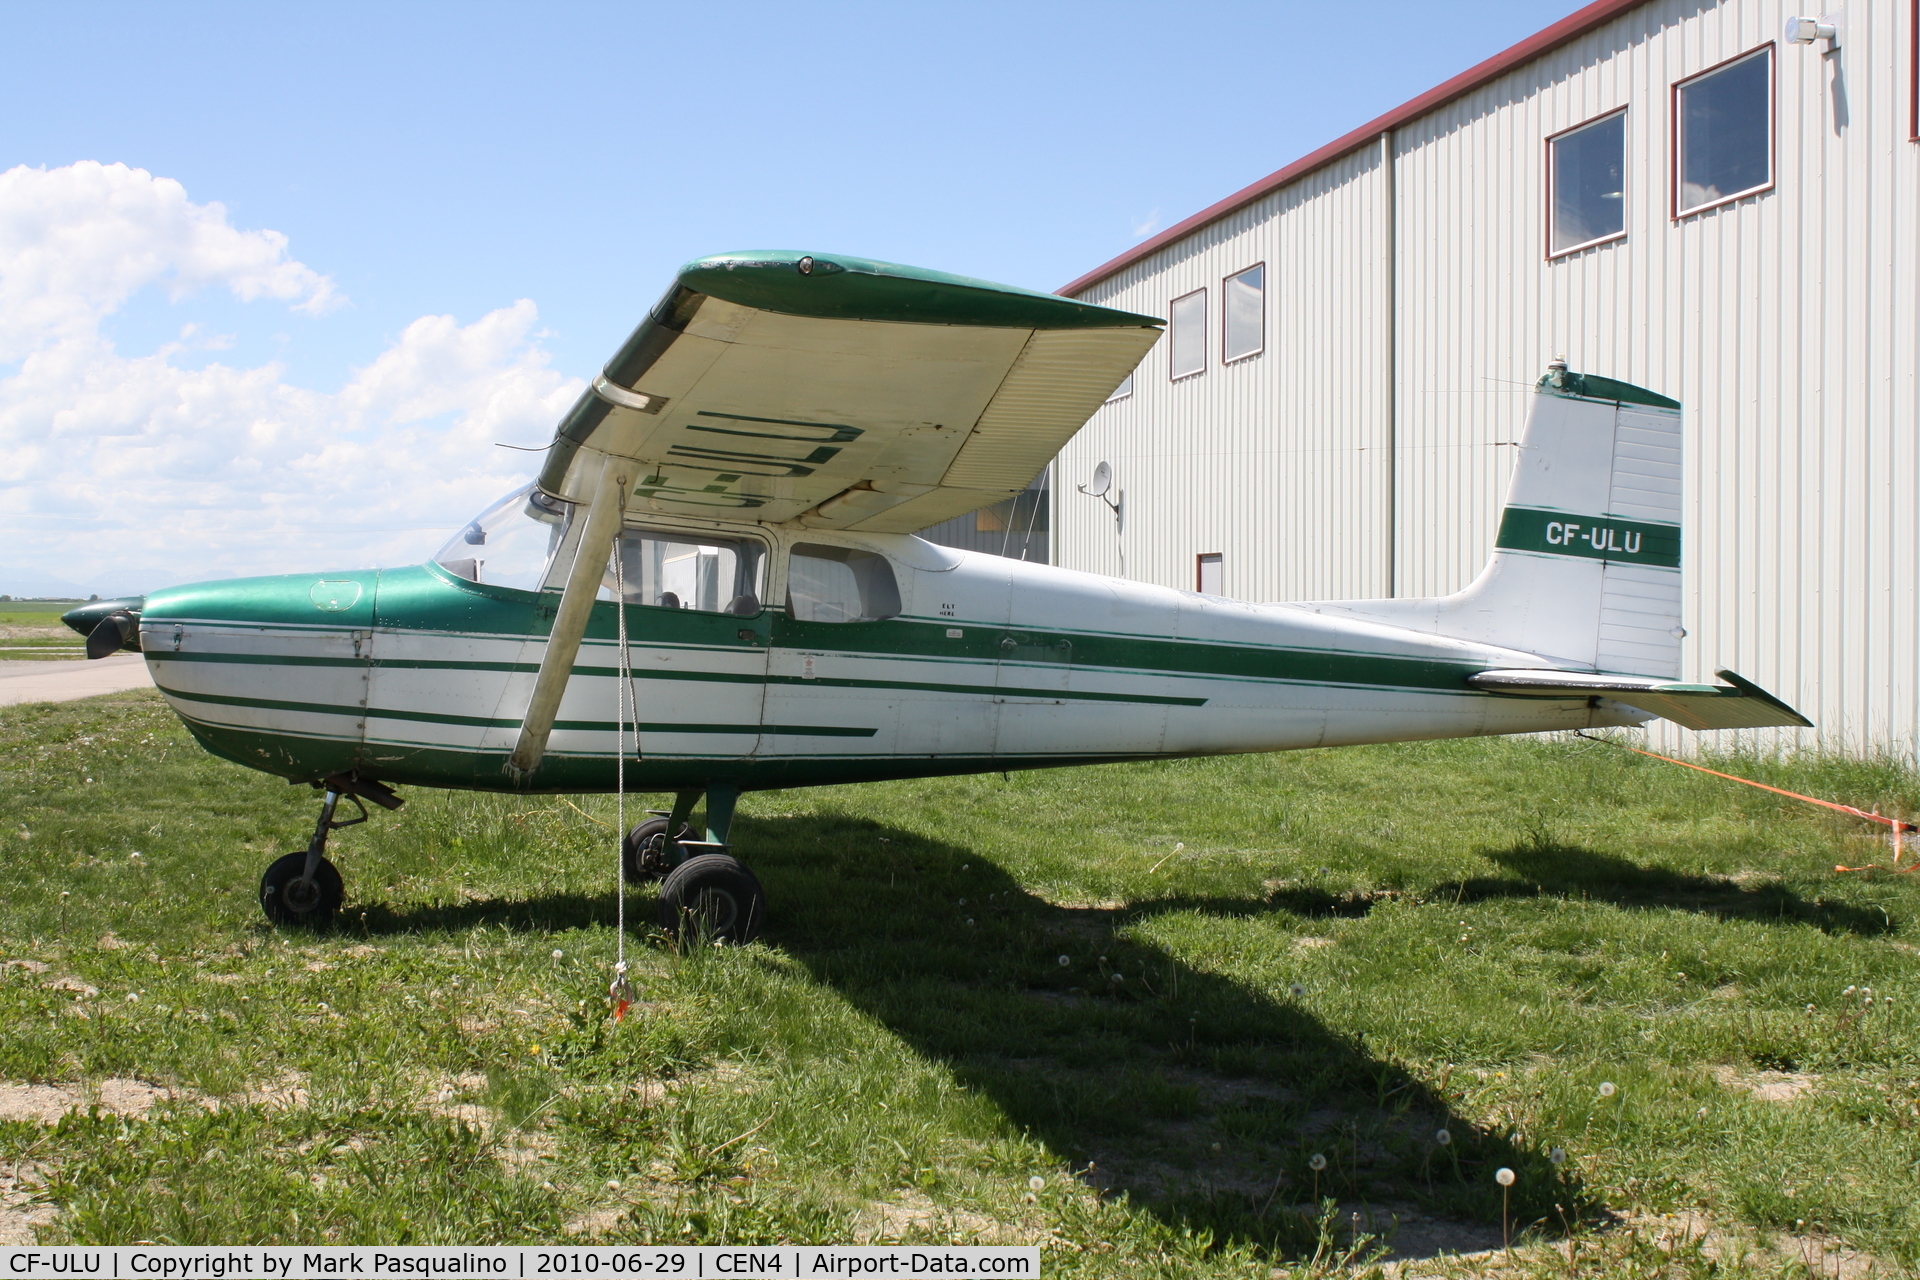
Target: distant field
(1161, 990)
(31, 630)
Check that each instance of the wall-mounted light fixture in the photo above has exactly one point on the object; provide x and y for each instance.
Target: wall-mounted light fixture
(1807, 30)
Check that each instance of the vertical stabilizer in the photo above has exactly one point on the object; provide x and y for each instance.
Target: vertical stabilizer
(1586, 565)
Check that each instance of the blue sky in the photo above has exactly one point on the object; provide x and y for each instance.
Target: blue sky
(427, 160)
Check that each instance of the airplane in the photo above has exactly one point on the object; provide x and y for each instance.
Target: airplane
(713, 586)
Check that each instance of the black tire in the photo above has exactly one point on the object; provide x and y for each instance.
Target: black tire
(289, 898)
(712, 897)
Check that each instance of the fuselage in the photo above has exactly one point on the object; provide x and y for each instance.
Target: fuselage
(420, 676)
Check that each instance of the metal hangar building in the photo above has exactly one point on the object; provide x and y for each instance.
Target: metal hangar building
(1687, 195)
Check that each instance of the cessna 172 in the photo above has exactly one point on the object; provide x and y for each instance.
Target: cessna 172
(737, 492)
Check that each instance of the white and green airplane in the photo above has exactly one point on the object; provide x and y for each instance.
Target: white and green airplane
(737, 491)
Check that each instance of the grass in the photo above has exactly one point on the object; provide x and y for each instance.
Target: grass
(1160, 989)
(30, 630)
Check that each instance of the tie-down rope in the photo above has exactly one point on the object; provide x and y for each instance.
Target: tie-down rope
(1896, 825)
(621, 990)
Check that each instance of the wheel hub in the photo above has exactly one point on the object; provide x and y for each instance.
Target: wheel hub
(301, 894)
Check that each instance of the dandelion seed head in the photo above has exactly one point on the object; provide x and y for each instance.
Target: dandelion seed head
(1558, 1155)
(1036, 1183)
(1850, 990)
(613, 1184)
(1503, 1176)
(1066, 962)
(1444, 1137)
(558, 954)
(1316, 1162)
(1298, 990)
(1608, 1089)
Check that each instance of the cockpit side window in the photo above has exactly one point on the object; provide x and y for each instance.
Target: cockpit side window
(690, 571)
(510, 543)
(840, 584)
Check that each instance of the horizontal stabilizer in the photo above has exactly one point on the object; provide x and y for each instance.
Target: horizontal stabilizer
(1738, 704)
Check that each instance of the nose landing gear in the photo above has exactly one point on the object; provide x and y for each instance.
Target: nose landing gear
(304, 888)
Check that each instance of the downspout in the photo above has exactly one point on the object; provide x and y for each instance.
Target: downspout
(1390, 359)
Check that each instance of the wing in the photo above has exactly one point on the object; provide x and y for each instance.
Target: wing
(843, 393)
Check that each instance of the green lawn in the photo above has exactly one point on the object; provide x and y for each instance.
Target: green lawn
(1160, 989)
(30, 630)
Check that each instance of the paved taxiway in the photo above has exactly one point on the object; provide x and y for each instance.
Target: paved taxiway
(65, 681)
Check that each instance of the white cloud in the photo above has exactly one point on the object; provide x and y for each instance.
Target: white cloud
(129, 471)
(1144, 227)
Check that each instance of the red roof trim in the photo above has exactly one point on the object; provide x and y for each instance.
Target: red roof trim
(1565, 31)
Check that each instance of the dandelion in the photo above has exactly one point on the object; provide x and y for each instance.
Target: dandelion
(965, 865)
(534, 1050)
(1809, 1008)
(1119, 977)
(963, 902)
(1298, 990)
(1317, 1162)
(1558, 1155)
(613, 1184)
(1850, 990)
(1066, 962)
(1608, 1089)
(1036, 1183)
(969, 920)
(1444, 1138)
(1701, 1114)
(558, 954)
(1504, 1177)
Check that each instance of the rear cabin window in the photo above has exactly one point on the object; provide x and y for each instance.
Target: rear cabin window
(686, 571)
(840, 584)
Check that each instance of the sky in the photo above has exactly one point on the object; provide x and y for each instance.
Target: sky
(275, 280)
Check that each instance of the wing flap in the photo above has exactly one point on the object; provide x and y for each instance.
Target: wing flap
(1739, 704)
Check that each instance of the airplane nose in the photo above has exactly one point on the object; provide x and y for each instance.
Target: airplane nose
(269, 672)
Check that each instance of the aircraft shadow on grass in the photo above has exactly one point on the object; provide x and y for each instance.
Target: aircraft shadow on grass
(1550, 869)
(1201, 1098)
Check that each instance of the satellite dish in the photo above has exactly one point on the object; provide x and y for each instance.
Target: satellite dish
(1102, 481)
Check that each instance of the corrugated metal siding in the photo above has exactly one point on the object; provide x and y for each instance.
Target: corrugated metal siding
(1274, 460)
(1786, 323)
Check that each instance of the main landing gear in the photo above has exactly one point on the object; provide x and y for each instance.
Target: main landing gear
(304, 888)
(706, 894)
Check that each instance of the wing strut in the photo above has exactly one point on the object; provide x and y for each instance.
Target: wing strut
(604, 518)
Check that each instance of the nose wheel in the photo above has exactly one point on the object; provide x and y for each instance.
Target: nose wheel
(304, 888)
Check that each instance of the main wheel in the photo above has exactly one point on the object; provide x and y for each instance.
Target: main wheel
(712, 896)
(289, 897)
(646, 853)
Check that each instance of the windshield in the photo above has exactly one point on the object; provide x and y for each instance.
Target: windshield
(510, 543)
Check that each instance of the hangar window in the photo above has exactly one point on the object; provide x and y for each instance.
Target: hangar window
(1187, 335)
(1723, 120)
(689, 571)
(1586, 174)
(1244, 321)
(840, 584)
(1206, 574)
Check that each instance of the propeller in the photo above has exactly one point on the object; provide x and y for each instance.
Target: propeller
(112, 633)
(108, 625)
